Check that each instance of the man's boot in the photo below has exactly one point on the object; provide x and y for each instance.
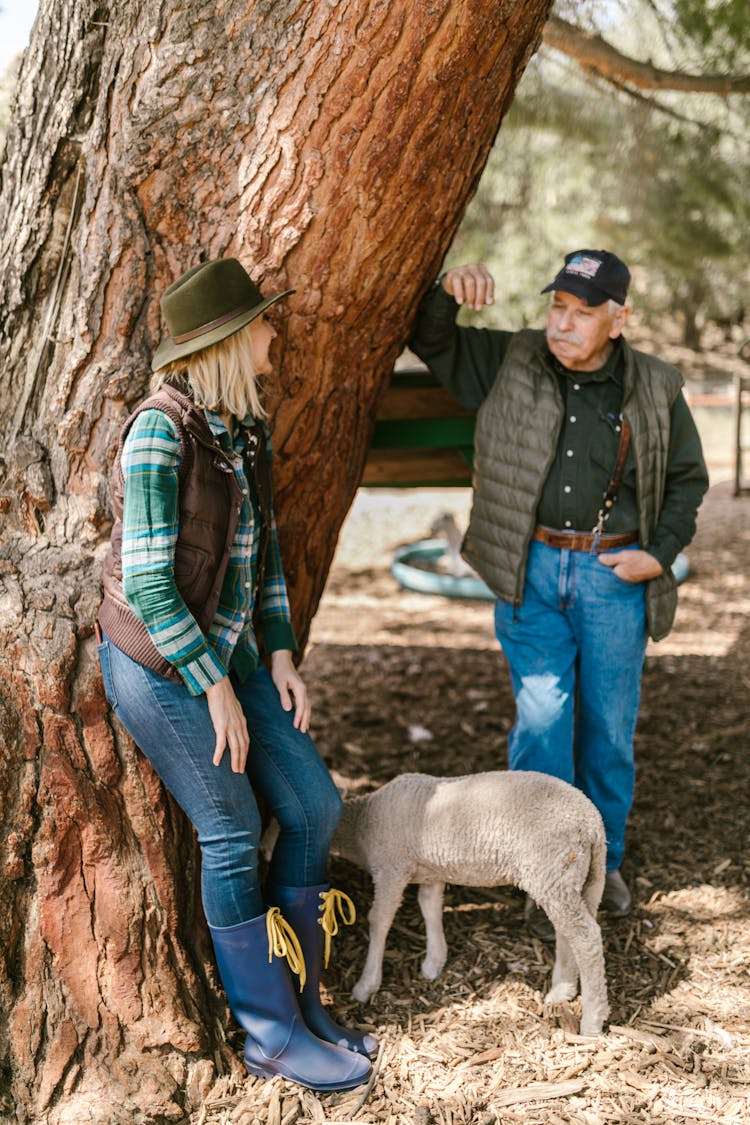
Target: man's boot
(617, 900)
(311, 912)
(261, 995)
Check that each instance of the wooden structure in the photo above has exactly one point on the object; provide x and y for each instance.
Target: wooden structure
(742, 425)
(422, 437)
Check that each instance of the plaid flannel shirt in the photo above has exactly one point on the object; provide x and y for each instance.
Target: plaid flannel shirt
(150, 522)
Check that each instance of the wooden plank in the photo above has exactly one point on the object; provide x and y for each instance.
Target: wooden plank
(401, 468)
(421, 436)
(419, 402)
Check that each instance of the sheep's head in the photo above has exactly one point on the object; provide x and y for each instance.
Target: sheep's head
(347, 843)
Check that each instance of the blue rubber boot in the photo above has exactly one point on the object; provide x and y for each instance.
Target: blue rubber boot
(261, 995)
(311, 912)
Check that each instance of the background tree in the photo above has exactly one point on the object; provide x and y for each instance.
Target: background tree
(629, 131)
(331, 146)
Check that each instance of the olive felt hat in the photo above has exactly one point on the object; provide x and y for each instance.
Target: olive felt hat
(208, 303)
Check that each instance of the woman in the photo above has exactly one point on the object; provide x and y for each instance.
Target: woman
(194, 554)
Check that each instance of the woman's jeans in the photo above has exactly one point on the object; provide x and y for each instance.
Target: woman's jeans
(575, 649)
(175, 732)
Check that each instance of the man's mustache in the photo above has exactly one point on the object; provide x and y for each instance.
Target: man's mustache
(566, 337)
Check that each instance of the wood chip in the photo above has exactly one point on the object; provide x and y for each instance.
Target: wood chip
(539, 1091)
(636, 1081)
(478, 1043)
(489, 1055)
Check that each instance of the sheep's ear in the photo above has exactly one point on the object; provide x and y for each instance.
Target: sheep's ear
(350, 786)
(342, 782)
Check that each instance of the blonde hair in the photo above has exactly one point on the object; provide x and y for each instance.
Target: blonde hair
(221, 377)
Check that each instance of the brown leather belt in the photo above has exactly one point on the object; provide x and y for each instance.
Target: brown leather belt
(582, 540)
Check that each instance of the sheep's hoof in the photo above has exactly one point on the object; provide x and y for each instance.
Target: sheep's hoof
(431, 970)
(563, 990)
(591, 1028)
(362, 992)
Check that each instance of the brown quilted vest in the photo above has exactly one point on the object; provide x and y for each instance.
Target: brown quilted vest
(210, 502)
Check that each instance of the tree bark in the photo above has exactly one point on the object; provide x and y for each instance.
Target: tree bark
(330, 146)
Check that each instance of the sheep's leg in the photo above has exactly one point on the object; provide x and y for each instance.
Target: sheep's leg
(430, 897)
(589, 953)
(564, 973)
(581, 936)
(384, 906)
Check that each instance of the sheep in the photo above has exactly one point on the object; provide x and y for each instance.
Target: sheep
(486, 829)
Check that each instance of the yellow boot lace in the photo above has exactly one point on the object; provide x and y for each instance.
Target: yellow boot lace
(283, 942)
(333, 901)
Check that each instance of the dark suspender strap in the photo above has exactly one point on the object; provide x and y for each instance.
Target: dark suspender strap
(614, 485)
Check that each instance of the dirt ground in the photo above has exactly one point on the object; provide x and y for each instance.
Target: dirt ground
(405, 681)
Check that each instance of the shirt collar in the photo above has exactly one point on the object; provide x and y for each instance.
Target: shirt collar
(612, 368)
(215, 423)
(217, 427)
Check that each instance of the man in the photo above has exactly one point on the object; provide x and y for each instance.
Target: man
(588, 474)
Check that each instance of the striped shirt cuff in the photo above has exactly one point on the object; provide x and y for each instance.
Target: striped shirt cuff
(202, 673)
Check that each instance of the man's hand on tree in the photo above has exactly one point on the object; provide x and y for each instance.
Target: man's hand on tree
(472, 286)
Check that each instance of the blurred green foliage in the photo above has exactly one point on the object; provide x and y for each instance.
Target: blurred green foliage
(719, 26)
(662, 180)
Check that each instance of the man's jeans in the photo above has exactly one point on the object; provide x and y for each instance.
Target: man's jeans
(174, 731)
(575, 649)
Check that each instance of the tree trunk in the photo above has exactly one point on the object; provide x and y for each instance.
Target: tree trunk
(330, 146)
(692, 304)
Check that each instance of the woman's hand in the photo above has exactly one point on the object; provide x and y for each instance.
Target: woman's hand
(229, 723)
(290, 686)
(632, 566)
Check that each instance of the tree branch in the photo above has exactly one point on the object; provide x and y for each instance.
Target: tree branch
(597, 56)
(654, 104)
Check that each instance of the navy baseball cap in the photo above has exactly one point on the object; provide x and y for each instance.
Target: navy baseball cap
(595, 276)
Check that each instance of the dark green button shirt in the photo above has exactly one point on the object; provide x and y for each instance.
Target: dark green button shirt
(587, 452)
(466, 361)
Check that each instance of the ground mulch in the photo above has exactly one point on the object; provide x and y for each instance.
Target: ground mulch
(405, 681)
